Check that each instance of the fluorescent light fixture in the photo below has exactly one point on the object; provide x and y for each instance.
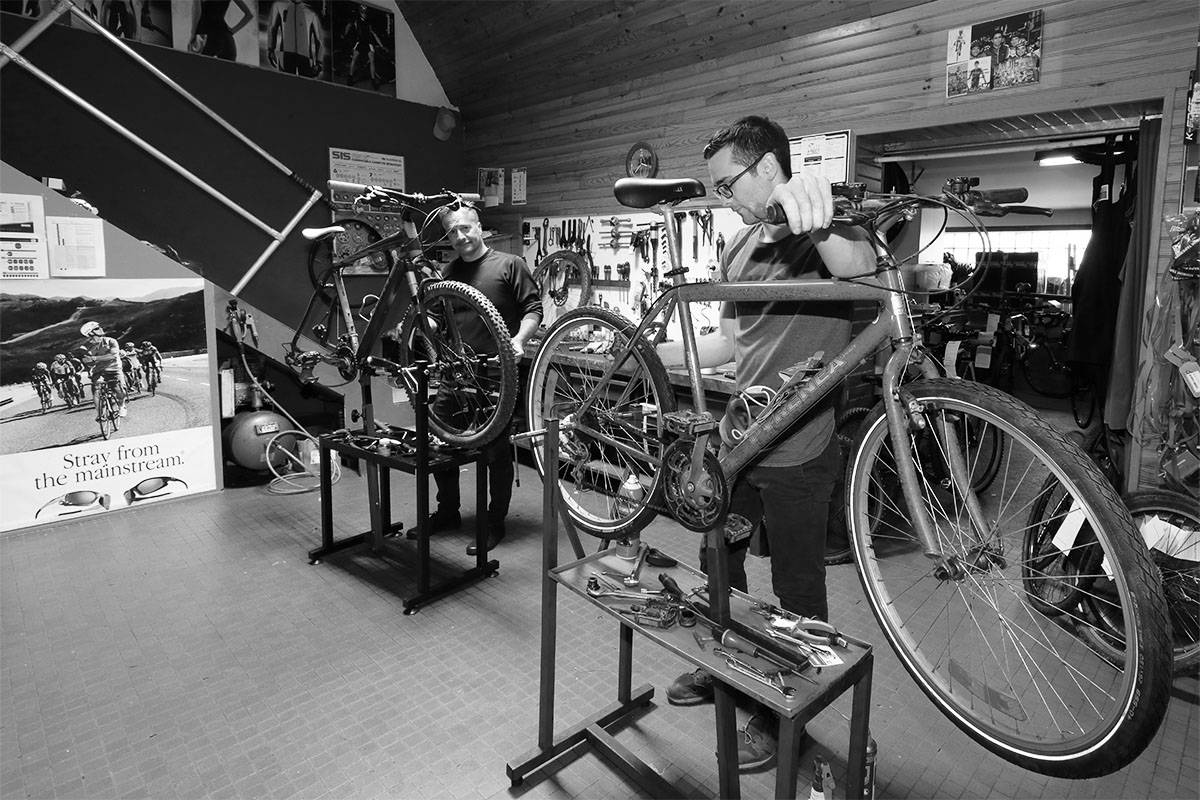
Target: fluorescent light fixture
(1059, 159)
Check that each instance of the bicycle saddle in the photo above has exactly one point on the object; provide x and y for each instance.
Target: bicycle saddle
(319, 233)
(646, 192)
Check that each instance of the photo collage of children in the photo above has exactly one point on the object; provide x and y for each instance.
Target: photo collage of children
(342, 41)
(994, 55)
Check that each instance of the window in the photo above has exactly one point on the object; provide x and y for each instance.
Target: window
(1059, 250)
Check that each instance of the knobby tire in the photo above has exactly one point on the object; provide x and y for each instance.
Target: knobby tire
(467, 407)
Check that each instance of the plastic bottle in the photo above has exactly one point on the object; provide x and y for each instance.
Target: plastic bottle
(869, 770)
(630, 494)
(817, 792)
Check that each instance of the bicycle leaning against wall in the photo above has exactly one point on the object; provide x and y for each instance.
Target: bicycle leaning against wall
(940, 560)
(472, 383)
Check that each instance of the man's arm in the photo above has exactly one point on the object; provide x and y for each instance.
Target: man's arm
(529, 325)
(808, 203)
(711, 348)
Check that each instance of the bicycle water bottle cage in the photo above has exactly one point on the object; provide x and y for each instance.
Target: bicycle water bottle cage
(647, 192)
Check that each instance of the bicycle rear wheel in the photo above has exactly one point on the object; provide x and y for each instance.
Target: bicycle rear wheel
(1019, 681)
(472, 368)
(617, 441)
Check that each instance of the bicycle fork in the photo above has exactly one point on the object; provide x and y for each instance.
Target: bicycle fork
(904, 415)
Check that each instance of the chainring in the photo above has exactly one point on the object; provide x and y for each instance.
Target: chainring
(698, 506)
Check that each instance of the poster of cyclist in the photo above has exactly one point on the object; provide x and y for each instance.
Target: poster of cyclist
(104, 395)
(293, 37)
(363, 39)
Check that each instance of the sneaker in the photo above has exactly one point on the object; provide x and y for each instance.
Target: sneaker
(691, 689)
(757, 742)
(440, 520)
(123, 412)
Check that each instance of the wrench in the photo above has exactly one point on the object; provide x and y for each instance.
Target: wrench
(631, 579)
(737, 665)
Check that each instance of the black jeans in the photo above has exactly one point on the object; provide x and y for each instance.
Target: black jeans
(792, 504)
(499, 457)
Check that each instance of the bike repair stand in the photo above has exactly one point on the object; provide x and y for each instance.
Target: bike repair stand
(595, 730)
(380, 461)
(827, 686)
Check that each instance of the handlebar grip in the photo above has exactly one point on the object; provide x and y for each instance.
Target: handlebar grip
(1017, 195)
(470, 197)
(775, 215)
(344, 186)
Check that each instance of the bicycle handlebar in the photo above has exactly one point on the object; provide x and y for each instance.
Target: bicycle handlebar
(367, 193)
(853, 205)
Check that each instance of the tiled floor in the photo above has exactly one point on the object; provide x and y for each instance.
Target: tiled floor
(189, 650)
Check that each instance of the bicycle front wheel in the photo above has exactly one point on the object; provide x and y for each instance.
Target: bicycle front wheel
(1170, 525)
(1022, 682)
(472, 368)
(611, 441)
(1046, 371)
(105, 418)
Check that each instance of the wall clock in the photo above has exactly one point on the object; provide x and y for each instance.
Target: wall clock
(641, 162)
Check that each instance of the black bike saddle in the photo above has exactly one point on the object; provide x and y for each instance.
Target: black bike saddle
(646, 192)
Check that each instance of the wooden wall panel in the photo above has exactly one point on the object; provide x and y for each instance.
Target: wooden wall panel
(874, 75)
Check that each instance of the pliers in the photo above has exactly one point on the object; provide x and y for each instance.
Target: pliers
(806, 629)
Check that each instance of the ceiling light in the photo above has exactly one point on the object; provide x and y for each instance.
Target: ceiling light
(1056, 158)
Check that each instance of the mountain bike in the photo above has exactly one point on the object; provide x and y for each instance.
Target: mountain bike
(941, 564)
(472, 378)
(108, 408)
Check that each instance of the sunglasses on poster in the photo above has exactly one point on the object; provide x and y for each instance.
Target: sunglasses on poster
(77, 502)
(152, 489)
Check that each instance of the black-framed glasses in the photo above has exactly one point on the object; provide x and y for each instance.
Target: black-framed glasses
(725, 189)
(152, 488)
(77, 502)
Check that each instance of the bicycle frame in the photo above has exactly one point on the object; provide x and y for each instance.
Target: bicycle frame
(799, 395)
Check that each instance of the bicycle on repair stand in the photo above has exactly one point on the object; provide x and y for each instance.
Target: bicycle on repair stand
(941, 561)
(472, 384)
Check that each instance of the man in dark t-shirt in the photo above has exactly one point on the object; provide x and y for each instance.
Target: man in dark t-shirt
(786, 492)
(505, 280)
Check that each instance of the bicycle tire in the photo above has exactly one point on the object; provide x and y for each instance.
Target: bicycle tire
(103, 418)
(575, 269)
(152, 382)
(468, 404)
(357, 235)
(591, 469)
(1176, 559)
(1115, 710)
(1046, 371)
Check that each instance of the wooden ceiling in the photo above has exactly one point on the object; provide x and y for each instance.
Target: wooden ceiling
(495, 56)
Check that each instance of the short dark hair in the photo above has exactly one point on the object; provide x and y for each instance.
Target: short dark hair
(457, 207)
(750, 137)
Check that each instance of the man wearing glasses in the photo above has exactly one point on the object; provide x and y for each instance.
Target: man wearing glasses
(786, 493)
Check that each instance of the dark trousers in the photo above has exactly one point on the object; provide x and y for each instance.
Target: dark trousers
(499, 458)
(792, 505)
